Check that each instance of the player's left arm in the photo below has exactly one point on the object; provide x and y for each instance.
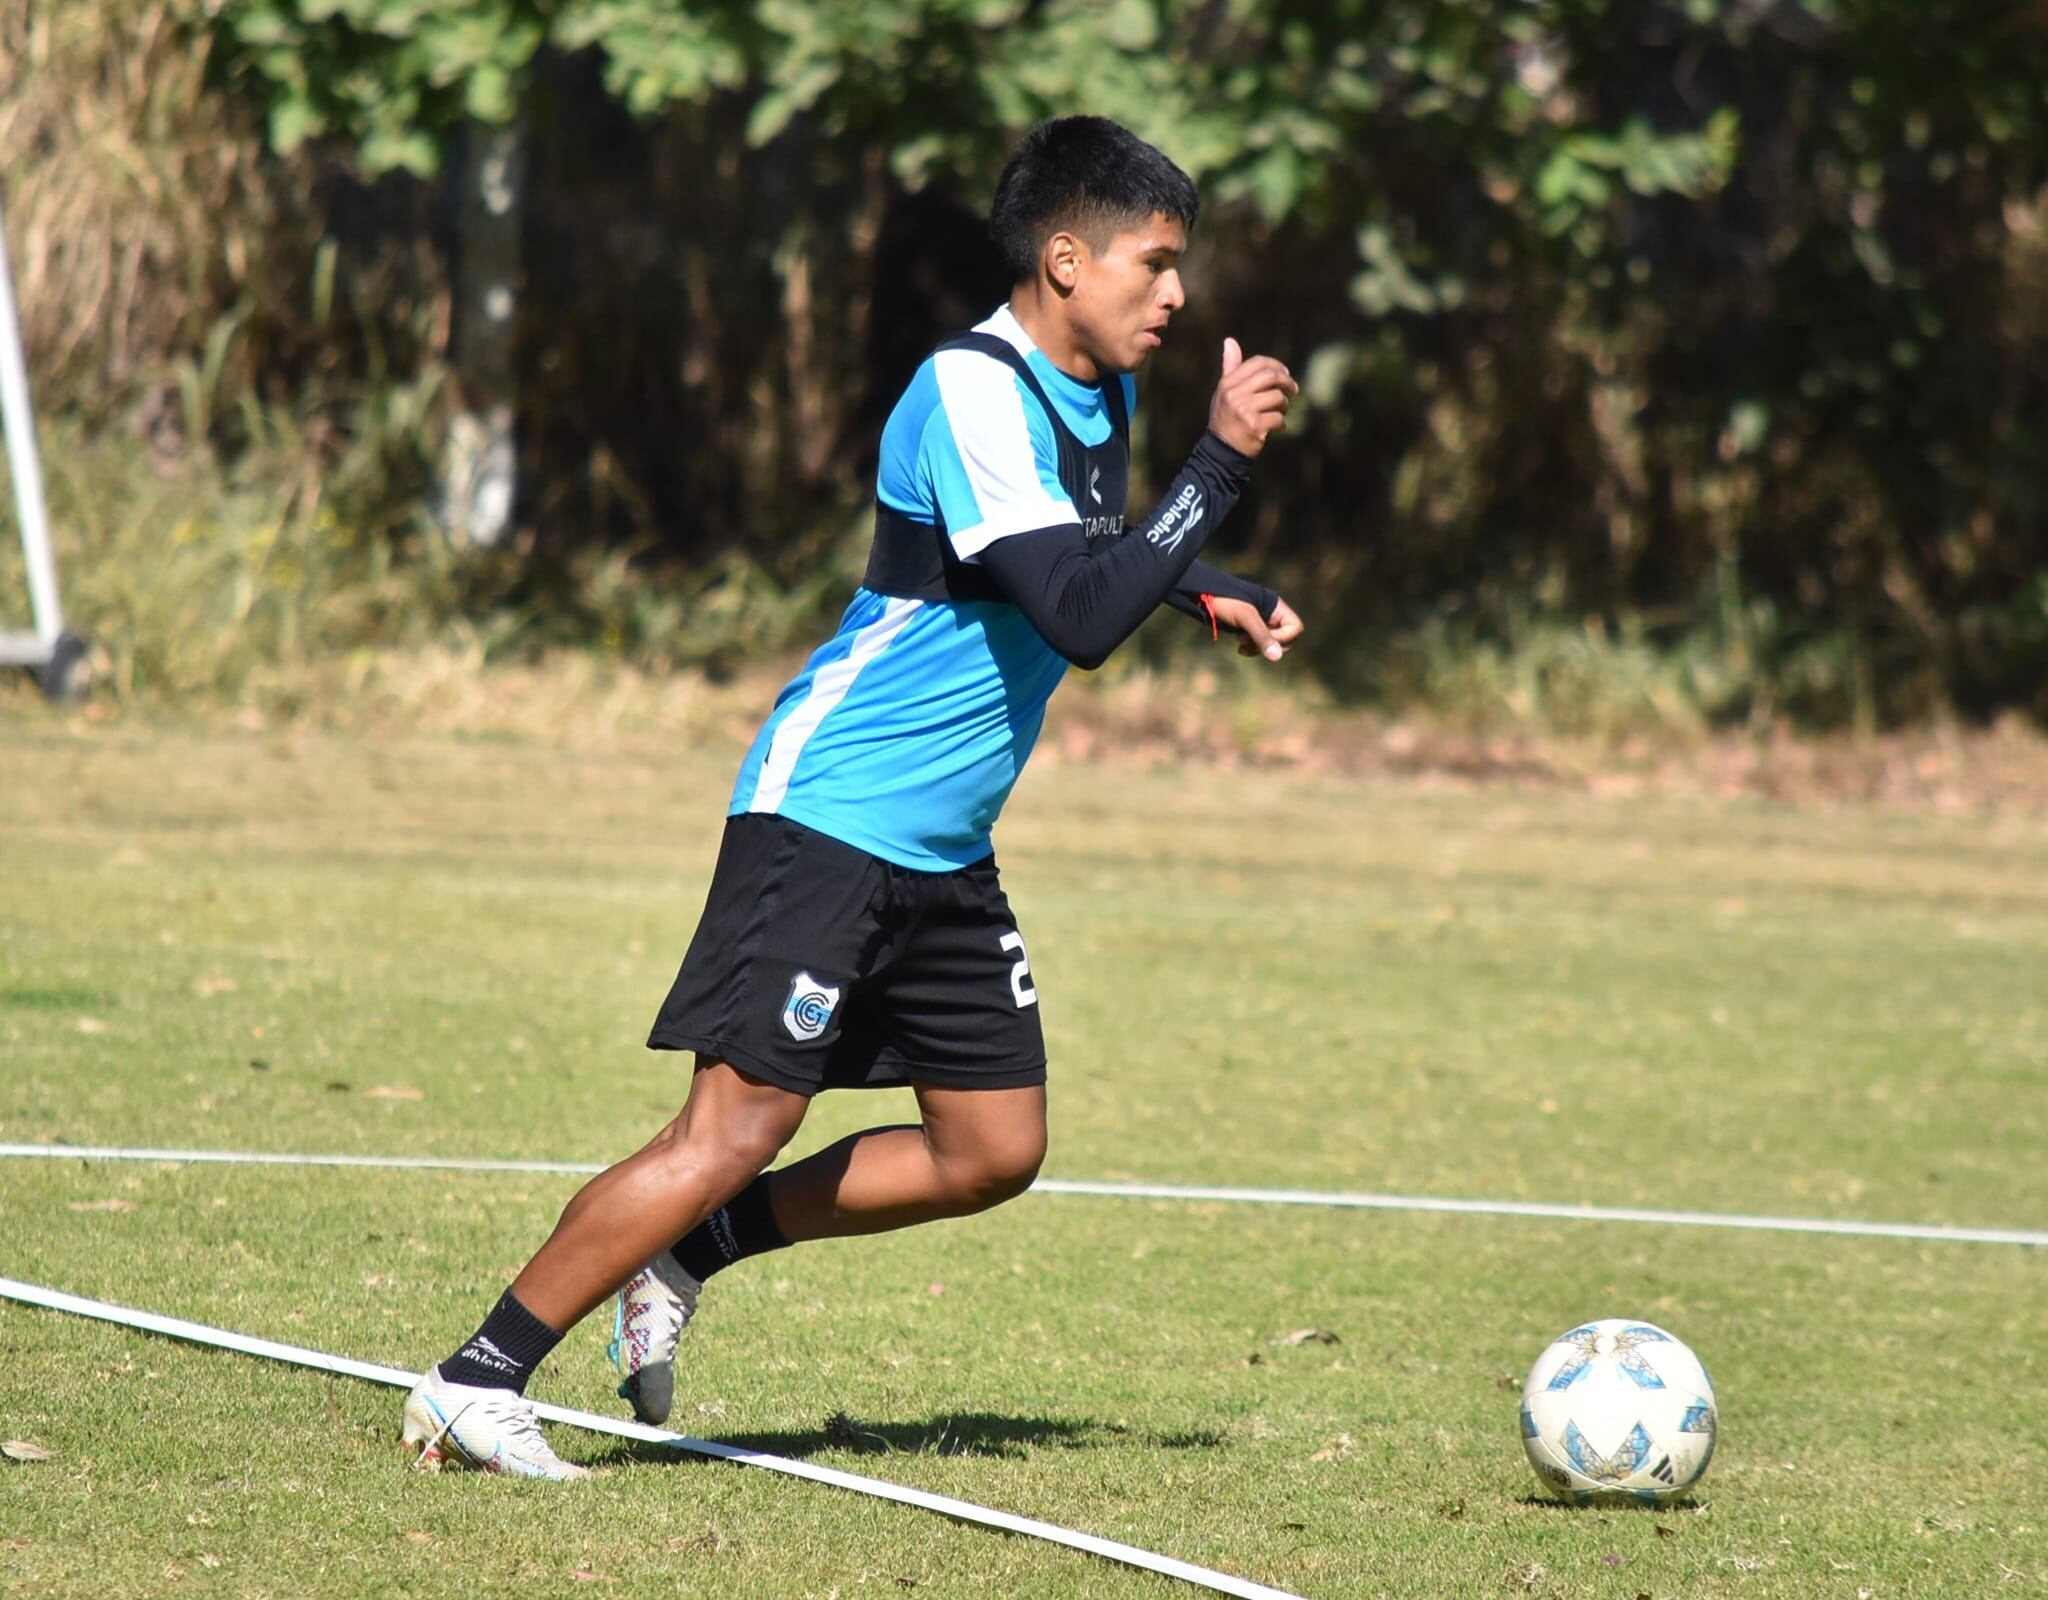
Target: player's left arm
(1246, 409)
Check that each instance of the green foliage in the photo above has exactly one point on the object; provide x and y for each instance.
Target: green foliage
(389, 75)
(659, 56)
(937, 82)
(1725, 326)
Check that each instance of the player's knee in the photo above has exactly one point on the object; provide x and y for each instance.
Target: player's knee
(757, 1139)
(731, 1121)
(1007, 1183)
(998, 1172)
(730, 1149)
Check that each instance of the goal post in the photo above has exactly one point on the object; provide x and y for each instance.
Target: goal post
(52, 652)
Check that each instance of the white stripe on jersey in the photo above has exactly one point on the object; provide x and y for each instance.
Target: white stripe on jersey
(828, 688)
(1003, 323)
(984, 410)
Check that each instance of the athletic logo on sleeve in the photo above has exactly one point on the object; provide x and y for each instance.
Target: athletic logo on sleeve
(1095, 484)
(1168, 532)
(809, 1007)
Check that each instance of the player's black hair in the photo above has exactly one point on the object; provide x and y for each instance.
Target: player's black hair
(1084, 175)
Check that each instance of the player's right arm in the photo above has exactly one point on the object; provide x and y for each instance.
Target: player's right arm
(1086, 597)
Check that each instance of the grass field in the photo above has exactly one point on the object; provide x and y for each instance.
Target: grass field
(455, 947)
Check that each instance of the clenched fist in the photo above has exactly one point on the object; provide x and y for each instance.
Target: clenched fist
(1251, 400)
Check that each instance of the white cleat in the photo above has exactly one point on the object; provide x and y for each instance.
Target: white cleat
(654, 1307)
(492, 1430)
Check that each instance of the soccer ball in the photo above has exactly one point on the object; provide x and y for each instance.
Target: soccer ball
(1618, 1411)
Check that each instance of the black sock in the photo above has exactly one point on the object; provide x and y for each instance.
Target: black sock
(504, 1351)
(744, 1226)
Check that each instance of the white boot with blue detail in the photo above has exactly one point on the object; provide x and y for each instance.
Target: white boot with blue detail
(492, 1430)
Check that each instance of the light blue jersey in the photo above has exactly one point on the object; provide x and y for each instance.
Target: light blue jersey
(906, 730)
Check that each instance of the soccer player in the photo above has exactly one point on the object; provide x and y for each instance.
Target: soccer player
(855, 932)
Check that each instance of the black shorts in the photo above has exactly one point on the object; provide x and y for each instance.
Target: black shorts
(819, 966)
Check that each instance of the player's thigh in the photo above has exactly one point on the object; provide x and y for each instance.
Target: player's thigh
(789, 933)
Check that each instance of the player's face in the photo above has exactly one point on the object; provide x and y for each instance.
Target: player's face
(1125, 293)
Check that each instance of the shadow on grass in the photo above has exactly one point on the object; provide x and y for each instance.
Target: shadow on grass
(1663, 1508)
(955, 1433)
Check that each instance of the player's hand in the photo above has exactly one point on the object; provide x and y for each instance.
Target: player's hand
(1258, 636)
(1251, 400)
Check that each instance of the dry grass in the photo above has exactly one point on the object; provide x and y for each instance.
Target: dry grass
(138, 212)
(1206, 714)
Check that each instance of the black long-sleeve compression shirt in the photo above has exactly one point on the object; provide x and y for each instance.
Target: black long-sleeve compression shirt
(1087, 596)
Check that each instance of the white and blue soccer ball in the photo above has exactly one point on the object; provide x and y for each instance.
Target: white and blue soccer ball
(1618, 1411)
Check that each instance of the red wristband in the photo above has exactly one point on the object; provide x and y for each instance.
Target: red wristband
(1209, 611)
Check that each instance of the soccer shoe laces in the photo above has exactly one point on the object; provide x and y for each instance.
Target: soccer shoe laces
(682, 1286)
(654, 1309)
(520, 1425)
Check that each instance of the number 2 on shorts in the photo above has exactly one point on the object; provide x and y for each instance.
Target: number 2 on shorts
(1020, 974)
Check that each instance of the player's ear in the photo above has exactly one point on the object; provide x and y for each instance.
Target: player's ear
(1063, 257)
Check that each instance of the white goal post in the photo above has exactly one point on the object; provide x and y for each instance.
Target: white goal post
(51, 652)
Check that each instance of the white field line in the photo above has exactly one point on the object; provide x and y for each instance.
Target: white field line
(1540, 1208)
(285, 1158)
(945, 1505)
(1938, 1232)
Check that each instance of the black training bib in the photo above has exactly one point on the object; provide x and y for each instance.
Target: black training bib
(914, 560)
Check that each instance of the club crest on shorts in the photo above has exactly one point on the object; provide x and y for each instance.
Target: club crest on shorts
(809, 1007)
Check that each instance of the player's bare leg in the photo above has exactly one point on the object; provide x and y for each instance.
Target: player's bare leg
(975, 1149)
(731, 1127)
(472, 1407)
